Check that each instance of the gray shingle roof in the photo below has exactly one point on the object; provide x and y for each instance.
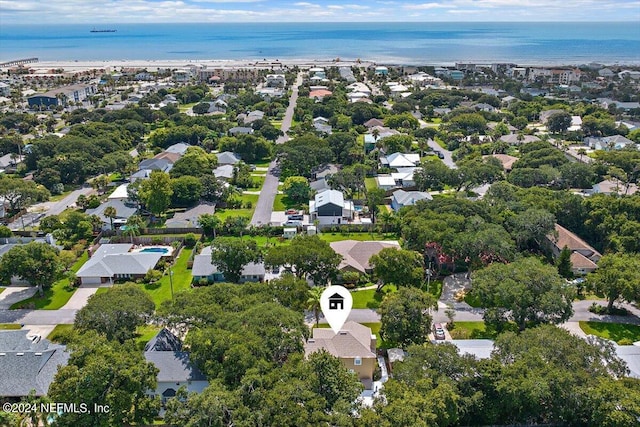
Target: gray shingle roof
(113, 259)
(202, 266)
(164, 341)
(26, 365)
(123, 210)
(174, 366)
(408, 198)
(227, 158)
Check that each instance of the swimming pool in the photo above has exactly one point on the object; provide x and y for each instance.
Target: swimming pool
(154, 250)
(164, 250)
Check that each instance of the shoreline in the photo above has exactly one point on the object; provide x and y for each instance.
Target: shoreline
(155, 64)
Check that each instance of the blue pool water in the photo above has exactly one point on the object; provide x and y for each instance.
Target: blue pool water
(156, 250)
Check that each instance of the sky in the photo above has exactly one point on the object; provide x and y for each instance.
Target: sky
(159, 11)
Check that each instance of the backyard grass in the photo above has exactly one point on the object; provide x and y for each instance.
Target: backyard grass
(369, 298)
(161, 290)
(7, 326)
(440, 142)
(57, 295)
(58, 333)
(370, 183)
(2, 290)
(621, 333)
(144, 334)
(262, 163)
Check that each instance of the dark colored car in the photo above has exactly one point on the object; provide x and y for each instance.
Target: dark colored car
(439, 154)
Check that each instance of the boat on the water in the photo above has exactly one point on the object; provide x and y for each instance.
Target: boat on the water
(102, 31)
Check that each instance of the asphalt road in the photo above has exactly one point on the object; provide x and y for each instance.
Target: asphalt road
(448, 160)
(44, 209)
(264, 206)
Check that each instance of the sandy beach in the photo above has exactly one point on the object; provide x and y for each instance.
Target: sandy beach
(153, 65)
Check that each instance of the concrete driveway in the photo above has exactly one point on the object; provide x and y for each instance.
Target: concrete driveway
(14, 294)
(79, 298)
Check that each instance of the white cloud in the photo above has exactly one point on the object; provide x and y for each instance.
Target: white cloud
(426, 6)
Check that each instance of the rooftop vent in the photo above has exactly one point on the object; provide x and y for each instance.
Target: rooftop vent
(19, 354)
(38, 354)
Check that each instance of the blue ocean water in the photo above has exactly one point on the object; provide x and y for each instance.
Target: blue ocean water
(410, 43)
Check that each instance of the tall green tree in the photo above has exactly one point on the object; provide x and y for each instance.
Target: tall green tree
(307, 256)
(156, 192)
(110, 212)
(406, 316)
(36, 262)
(617, 276)
(106, 373)
(398, 266)
(297, 189)
(116, 313)
(232, 254)
(563, 263)
(525, 292)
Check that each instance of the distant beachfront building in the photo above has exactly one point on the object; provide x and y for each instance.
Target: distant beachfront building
(62, 95)
(208, 75)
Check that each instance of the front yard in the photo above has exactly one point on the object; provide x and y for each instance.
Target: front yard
(369, 298)
(621, 333)
(57, 295)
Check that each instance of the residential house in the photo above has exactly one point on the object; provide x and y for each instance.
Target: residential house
(62, 95)
(289, 233)
(175, 368)
(321, 124)
(180, 148)
(227, 158)
(121, 193)
(484, 107)
(203, 269)
(400, 160)
(584, 258)
(606, 143)
(217, 107)
(606, 73)
(401, 198)
(253, 116)
(116, 261)
(124, 211)
(546, 115)
(28, 363)
(240, 130)
(330, 208)
(373, 123)
(224, 172)
(275, 80)
(319, 94)
(506, 160)
(381, 71)
(190, 217)
(515, 139)
(5, 89)
(633, 75)
(610, 186)
(347, 74)
(319, 185)
(354, 345)
(404, 177)
(356, 254)
(626, 106)
(9, 162)
(385, 182)
(152, 164)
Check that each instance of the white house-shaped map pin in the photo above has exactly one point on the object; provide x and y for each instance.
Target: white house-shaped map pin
(336, 303)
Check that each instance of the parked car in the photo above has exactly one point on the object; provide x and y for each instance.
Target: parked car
(438, 331)
(296, 217)
(293, 223)
(439, 154)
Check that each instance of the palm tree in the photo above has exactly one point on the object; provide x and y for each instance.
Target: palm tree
(134, 224)
(313, 302)
(110, 212)
(386, 218)
(581, 152)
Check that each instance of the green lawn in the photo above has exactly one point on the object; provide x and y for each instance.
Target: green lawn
(2, 290)
(370, 183)
(258, 182)
(435, 288)
(225, 213)
(60, 196)
(6, 326)
(101, 291)
(161, 290)
(471, 330)
(369, 298)
(58, 331)
(57, 295)
(440, 142)
(262, 163)
(144, 334)
(253, 198)
(613, 331)
(282, 203)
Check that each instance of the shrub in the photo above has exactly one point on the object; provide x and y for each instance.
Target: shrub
(601, 309)
(190, 240)
(152, 276)
(157, 240)
(248, 205)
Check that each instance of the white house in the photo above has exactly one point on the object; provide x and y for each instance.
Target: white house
(115, 261)
(330, 208)
(403, 198)
(400, 160)
(175, 369)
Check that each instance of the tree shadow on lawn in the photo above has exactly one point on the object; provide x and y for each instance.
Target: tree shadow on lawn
(615, 331)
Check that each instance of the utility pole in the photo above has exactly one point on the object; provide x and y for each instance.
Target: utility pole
(171, 281)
